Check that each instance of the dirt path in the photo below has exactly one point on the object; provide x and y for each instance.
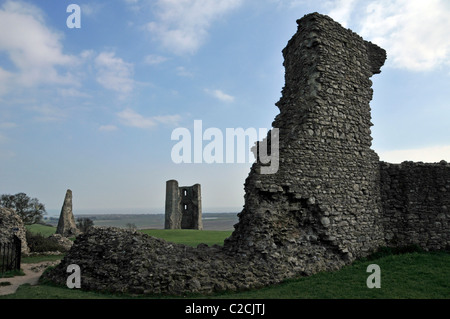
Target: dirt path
(32, 274)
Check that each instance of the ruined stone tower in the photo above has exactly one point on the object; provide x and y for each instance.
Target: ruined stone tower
(324, 200)
(183, 206)
(66, 223)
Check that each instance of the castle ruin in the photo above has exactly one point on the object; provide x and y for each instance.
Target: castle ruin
(330, 202)
(66, 222)
(183, 206)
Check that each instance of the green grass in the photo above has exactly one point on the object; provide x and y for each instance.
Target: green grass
(410, 275)
(189, 237)
(406, 276)
(12, 273)
(39, 258)
(41, 229)
(184, 236)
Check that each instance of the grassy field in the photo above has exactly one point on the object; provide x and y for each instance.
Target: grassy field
(189, 237)
(211, 221)
(184, 236)
(416, 275)
(42, 229)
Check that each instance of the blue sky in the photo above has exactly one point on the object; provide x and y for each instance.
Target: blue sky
(92, 109)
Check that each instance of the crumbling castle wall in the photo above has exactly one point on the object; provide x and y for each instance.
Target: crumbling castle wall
(11, 224)
(330, 202)
(320, 209)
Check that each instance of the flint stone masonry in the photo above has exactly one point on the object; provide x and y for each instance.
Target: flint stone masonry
(66, 223)
(319, 211)
(416, 204)
(11, 224)
(120, 260)
(330, 202)
(183, 206)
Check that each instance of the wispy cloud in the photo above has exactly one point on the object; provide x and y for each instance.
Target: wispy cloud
(48, 113)
(182, 71)
(414, 32)
(341, 10)
(91, 9)
(107, 128)
(72, 92)
(5, 81)
(154, 59)
(34, 49)
(114, 73)
(131, 118)
(182, 25)
(218, 94)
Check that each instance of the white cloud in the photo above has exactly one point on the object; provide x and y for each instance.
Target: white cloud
(171, 120)
(34, 49)
(114, 73)
(91, 9)
(48, 113)
(154, 59)
(182, 71)
(131, 118)
(413, 32)
(427, 154)
(72, 92)
(182, 25)
(107, 128)
(341, 10)
(218, 94)
(5, 81)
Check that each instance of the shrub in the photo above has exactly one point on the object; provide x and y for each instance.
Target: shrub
(38, 243)
(84, 223)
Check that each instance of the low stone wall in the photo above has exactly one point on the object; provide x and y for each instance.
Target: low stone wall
(119, 260)
(416, 204)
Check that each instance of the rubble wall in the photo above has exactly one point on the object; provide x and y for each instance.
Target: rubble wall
(416, 203)
(320, 209)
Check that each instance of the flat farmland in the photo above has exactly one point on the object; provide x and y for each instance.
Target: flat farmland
(211, 221)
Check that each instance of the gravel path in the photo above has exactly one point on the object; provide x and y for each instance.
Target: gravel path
(32, 274)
